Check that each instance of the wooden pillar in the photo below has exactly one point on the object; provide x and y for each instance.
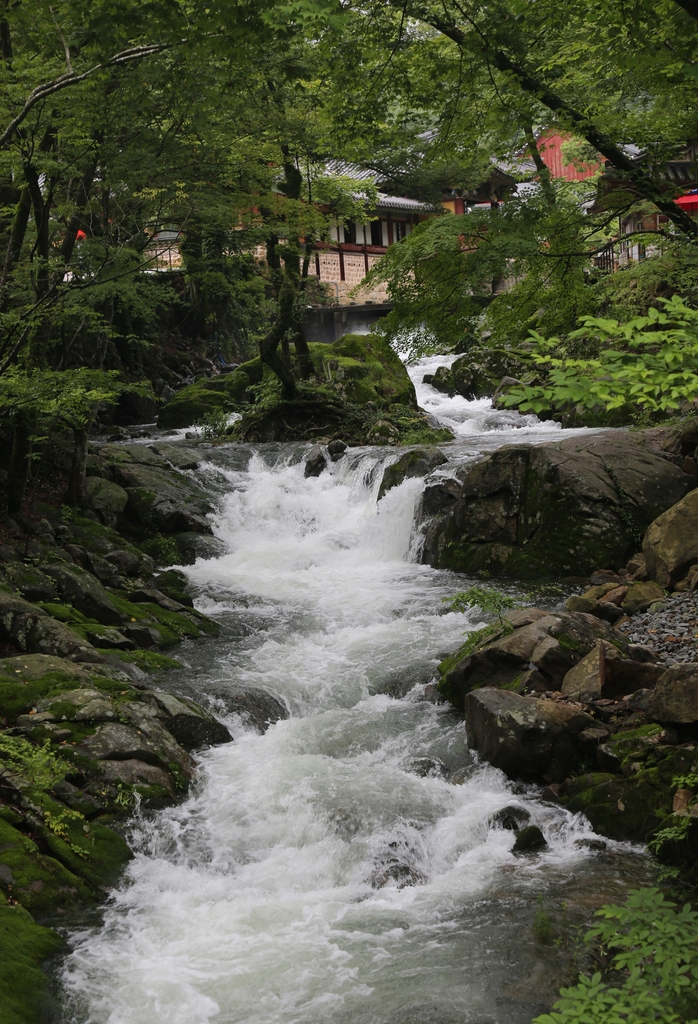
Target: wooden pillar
(341, 264)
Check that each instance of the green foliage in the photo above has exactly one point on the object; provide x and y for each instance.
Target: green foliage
(542, 926)
(38, 765)
(671, 834)
(213, 424)
(651, 362)
(689, 781)
(652, 952)
(490, 601)
(162, 549)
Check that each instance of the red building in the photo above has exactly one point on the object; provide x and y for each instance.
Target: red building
(550, 144)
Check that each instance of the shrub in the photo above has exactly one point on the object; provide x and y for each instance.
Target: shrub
(651, 950)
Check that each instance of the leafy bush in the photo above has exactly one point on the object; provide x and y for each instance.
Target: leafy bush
(488, 600)
(651, 362)
(652, 953)
(38, 765)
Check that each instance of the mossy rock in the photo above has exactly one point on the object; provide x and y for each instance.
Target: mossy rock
(18, 696)
(41, 884)
(91, 851)
(148, 661)
(24, 945)
(192, 404)
(369, 359)
(225, 393)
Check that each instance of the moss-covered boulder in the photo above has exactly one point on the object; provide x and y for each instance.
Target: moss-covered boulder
(224, 393)
(564, 507)
(364, 368)
(29, 628)
(24, 945)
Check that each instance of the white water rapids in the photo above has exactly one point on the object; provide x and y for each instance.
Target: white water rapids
(314, 876)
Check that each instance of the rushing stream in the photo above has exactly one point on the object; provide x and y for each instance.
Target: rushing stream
(341, 868)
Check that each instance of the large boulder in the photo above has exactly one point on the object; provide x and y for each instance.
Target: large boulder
(159, 497)
(560, 507)
(418, 462)
(213, 395)
(537, 655)
(675, 697)
(670, 545)
(526, 737)
(84, 592)
(106, 498)
(30, 629)
(32, 584)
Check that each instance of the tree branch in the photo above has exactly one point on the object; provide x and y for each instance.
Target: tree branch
(646, 187)
(72, 78)
(689, 6)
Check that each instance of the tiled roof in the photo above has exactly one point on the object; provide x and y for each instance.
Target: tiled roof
(386, 202)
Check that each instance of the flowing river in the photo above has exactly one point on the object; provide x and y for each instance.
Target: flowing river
(342, 868)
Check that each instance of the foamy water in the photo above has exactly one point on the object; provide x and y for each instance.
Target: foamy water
(314, 876)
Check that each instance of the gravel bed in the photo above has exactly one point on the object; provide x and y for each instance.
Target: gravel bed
(670, 630)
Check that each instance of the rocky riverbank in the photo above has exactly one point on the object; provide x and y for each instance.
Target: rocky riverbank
(599, 702)
(86, 624)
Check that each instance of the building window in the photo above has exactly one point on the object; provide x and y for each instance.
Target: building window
(376, 233)
(350, 233)
(399, 230)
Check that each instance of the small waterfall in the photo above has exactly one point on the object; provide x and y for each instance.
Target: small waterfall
(341, 868)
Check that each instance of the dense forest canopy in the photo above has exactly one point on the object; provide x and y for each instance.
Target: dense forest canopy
(119, 121)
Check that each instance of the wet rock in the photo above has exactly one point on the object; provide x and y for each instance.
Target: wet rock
(31, 630)
(108, 638)
(416, 463)
(178, 456)
(189, 723)
(595, 845)
(426, 767)
(530, 840)
(336, 449)
(675, 697)
(82, 705)
(510, 817)
(560, 507)
(152, 595)
(256, 707)
(84, 592)
(35, 666)
(315, 462)
(145, 740)
(197, 545)
(670, 545)
(526, 737)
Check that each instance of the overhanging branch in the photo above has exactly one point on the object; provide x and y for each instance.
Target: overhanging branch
(70, 78)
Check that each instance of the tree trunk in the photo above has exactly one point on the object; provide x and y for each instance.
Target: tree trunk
(18, 470)
(75, 494)
(268, 346)
(541, 166)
